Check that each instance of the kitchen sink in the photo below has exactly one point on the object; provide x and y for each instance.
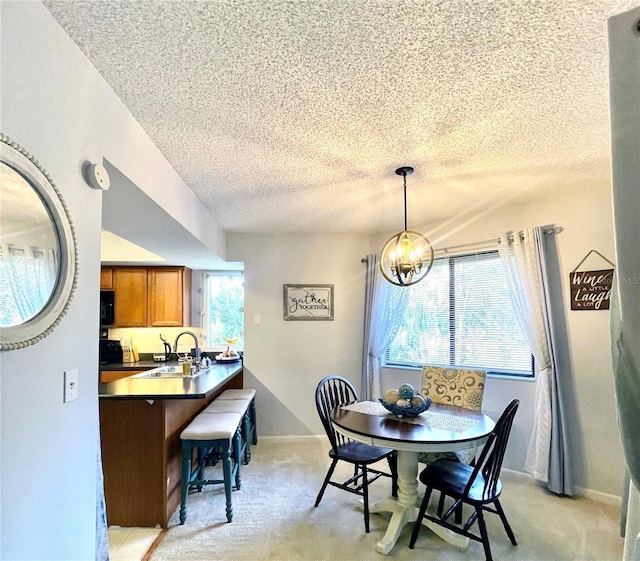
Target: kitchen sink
(166, 372)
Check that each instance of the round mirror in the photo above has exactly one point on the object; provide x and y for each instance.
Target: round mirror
(37, 250)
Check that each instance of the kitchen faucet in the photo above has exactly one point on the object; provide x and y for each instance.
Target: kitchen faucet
(195, 339)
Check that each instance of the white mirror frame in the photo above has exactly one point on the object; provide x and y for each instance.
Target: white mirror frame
(48, 318)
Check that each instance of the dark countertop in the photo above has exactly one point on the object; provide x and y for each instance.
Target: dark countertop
(185, 387)
(136, 366)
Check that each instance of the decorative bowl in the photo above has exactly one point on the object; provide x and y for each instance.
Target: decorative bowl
(406, 411)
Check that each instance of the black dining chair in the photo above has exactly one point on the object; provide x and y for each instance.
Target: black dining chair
(478, 486)
(334, 391)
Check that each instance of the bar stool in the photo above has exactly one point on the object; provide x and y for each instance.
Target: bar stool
(221, 433)
(244, 393)
(241, 407)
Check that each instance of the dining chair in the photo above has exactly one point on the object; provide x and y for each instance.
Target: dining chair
(478, 486)
(453, 386)
(334, 391)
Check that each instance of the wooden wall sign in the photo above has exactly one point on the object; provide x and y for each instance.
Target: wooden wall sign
(591, 290)
(308, 302)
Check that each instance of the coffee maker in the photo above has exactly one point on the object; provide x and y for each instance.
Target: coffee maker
(110, 351)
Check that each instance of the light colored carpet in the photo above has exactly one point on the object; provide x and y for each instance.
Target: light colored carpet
(274, 519)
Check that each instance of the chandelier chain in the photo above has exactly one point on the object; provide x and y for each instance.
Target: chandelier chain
(404, 176)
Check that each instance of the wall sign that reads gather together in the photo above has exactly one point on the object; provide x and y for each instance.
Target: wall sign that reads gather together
(308, 301)
(591, 290)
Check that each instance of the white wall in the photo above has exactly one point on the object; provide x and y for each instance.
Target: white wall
(56, 106)
(285, 360)
(48, 449)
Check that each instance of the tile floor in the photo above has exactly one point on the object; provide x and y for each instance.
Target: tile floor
(130, 544)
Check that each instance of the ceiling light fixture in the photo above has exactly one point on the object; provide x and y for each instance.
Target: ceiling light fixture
(407, 257)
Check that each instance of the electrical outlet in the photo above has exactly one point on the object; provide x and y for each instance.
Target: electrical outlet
(257, 319)
(70, 385)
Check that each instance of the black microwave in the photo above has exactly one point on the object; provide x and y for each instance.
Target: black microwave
(107, 307)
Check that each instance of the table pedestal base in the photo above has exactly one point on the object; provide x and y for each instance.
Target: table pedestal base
(404, 510)
(400, 516)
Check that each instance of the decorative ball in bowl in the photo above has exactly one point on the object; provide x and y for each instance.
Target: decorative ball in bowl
(404, 402)
(403, 410)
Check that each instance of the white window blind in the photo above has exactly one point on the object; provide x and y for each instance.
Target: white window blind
(461, 315)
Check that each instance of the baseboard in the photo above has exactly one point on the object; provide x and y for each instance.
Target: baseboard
(597, 496)
(519, 475)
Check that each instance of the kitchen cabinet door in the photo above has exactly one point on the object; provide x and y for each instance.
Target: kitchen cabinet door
(169, 300)
(106, 278)
(111, 375)
(130, 286)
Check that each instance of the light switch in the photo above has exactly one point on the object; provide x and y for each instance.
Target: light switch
(257, 319)
(70, 385)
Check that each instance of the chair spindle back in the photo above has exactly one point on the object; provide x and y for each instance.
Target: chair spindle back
(331, 392)
(490, 461)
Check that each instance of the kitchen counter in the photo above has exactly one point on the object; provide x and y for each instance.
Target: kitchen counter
(137, 365)
(140, 424)
(185, 387)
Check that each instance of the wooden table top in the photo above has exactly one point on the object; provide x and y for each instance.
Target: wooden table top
(440, 428)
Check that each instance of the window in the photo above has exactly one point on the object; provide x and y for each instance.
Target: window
(223, 308)
(461, 315)
(26, 284)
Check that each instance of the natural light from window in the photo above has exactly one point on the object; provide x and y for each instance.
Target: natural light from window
(461, 315)
(223, 307)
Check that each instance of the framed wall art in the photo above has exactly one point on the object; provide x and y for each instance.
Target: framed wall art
(308, 301)
(591, 290)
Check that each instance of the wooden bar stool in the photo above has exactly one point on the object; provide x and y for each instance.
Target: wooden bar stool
(245, 393)
(219, 433)
(241, 407)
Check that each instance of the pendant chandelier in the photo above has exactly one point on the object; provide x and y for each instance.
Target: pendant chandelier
(407, 257)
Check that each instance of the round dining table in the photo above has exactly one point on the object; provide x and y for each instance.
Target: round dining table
(442, 428)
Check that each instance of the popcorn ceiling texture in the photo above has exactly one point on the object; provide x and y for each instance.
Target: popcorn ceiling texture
(291, 116)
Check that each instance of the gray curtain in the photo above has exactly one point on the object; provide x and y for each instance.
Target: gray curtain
(371, 278)
(531, 266)
(560, 480)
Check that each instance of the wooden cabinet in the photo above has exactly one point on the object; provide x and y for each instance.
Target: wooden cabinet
(106, 278)
(111, 375)
(169, 302)
(130, 287)
(142, 455)
(152, 296)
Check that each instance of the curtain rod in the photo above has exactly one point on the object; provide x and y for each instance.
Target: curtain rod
(549, 231)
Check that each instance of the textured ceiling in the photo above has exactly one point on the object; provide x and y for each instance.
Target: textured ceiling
(291, 116)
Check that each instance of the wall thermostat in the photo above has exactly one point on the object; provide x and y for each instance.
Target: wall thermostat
(96, 176)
